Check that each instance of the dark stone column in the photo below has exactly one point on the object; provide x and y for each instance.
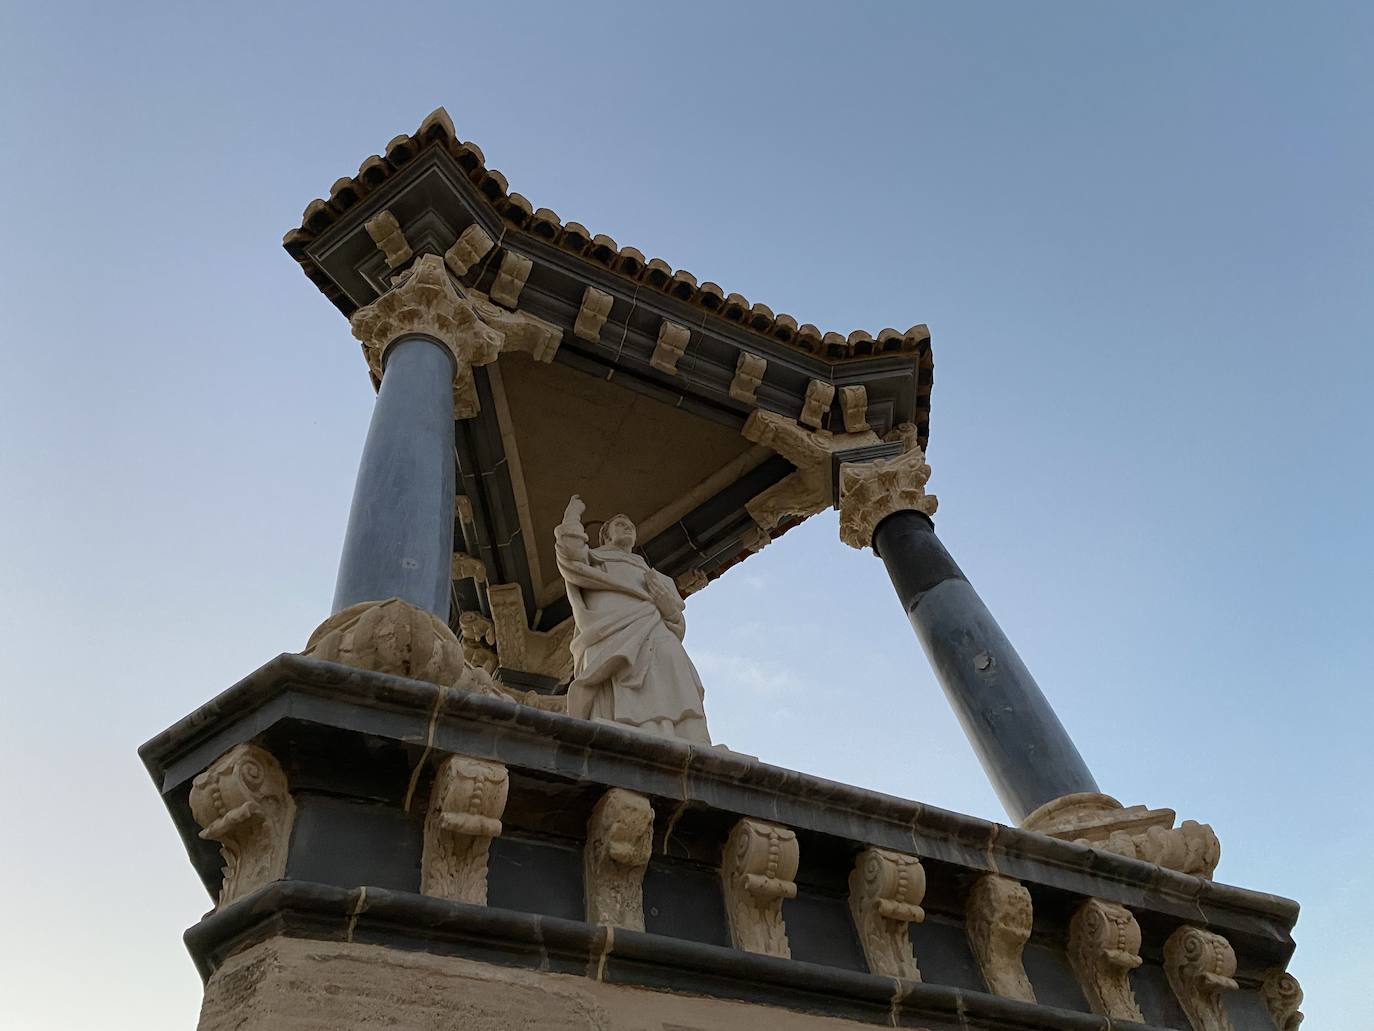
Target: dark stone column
(1022, 745)
(399, 542)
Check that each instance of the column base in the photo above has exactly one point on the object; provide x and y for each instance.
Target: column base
(1092, 818)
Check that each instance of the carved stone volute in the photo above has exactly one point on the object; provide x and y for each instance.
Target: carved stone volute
(997, 918)
(242, 802)
(1104, 947)
(1201, 966)
(1282, 996)
(759, 863)
(619, 837)
(885, 893)
(466, 803)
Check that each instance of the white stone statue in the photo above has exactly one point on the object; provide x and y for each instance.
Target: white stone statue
(629, 665)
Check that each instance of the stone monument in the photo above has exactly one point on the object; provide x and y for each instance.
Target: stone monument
(483, 796)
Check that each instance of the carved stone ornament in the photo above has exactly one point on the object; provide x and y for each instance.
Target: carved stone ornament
(426, 302)
(543, 652)
(1100, 821)
(465, 808)
(819, 396)
(468, 567)
(808, 490)
(596, 306)
(386, 234)
(672, 342)
(690, 582)
(759, 863)
(478, 637)
(885, 893)
(1104, 947)
(854, 406)
(1201, 966)
(872, 491)
(1282, 996)
(242, 801)
(998, 921)
(391, 636)
(749, 371)
(471, 247)
(510, 278)
(619, 838)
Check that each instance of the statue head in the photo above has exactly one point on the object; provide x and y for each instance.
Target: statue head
(618, 532)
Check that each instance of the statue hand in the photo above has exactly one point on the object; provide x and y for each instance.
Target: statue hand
(664, 597)
(576, 506)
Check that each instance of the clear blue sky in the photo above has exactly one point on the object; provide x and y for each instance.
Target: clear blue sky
(1140, 235)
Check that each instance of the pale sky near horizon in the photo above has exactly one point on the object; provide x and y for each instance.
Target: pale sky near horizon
(1140, 235)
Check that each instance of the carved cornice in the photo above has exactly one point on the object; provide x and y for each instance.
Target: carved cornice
(757, 868)
(465, 808)
(1104, 947)
(242, 802)
(425, 302)
(997, 918)
(619, 835)
(872, 491)
(1201, 966)
(885, 893)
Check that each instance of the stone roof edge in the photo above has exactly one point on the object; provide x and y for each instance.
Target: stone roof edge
(599, 249)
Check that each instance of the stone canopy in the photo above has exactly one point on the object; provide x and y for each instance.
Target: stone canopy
(714, 423)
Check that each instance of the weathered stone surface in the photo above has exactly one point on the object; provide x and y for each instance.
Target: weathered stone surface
(808, 490)
(619, 835)
(885, 893)
(819, 396)
(1282, 996)
(998, 921)
(286, 984)
(1104, 947)
(596, 306)
(1092, 818)
(672, 342)
(854, 407)
(470, 247)
(386, 234)
(465, 808)
(1201, 966)
(510, 278)
(872, 491)
(759, 863)
(749, 371)
(242, 802)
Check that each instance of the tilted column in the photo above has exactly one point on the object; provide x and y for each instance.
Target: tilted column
(1024, 749)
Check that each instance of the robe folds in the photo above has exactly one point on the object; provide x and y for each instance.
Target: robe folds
(629, 664)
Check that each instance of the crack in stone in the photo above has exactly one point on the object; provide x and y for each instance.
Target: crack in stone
(429, 747)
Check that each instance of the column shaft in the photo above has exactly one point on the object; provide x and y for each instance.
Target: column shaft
(399, 542)
(1023, 747)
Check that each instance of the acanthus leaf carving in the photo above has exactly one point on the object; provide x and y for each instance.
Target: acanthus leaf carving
(619, 837)
(872, 491)
(243, 802)
(997, 919)
(1104, 947)
(757, 868)
(466, 803)
(425, 302)
(1201, 966)
(885, 893)
(1282, 996)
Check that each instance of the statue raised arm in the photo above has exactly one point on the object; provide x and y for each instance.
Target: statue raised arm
(629, 665)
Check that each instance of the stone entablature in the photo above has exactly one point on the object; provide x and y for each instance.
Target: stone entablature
(985, 877)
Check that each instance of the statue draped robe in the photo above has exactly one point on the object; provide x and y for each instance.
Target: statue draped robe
(629, 665)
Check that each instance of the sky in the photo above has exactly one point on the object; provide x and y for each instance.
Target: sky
(1140, 235)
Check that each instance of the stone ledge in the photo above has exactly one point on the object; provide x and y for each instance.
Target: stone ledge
(373, 916)
(423, 717)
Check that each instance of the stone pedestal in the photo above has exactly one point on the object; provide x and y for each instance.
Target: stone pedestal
(961, 925)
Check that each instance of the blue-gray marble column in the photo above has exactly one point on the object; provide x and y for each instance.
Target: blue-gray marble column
(399, 542)
(1025, 750)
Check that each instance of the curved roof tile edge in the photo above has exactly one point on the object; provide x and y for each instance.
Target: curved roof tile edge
(629, 262)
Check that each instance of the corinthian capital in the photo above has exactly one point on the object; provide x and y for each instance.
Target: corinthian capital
(426, 302)
(872, 491)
